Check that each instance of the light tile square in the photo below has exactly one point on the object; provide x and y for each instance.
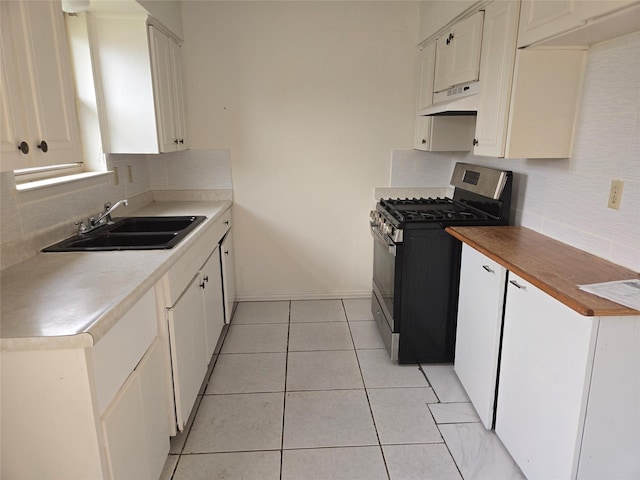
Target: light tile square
(358, 309)
(445, 383)
(335, 418)
(326, 370)
(366, 335)
(402, 416)
(231, 423)
(320, 336)
(219, 466)
(256, 339)
(350, 463)
(479, 453)
(248, 373)
(261, 312)
(379, 371)
(454, 412)
(420, 462)
(317, 311)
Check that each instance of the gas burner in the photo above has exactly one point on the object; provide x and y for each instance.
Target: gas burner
(425, 210)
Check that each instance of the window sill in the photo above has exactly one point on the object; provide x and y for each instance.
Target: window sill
(51, 182)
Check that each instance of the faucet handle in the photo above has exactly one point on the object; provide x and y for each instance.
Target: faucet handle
(82, 228)
(107, 206)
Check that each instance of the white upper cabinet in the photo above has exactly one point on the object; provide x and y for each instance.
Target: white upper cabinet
(167, 86)
(458, 53)
(435, 134)
(543, 19)
(138, 83)
(528, 98)
(39, 119)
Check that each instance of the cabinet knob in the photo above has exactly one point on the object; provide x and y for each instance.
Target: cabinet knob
(24, 147)
(43, 146)
(475, 142)
(226, 222)
(202, 285)
(175, 140)
(449, 38)
(226, 252)
(424, 141)
(206, 278)
(182, 140)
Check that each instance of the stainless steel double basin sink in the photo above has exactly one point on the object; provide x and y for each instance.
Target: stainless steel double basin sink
(131, 233)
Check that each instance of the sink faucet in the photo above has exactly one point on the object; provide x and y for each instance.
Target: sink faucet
(101, 219)
(105, 217)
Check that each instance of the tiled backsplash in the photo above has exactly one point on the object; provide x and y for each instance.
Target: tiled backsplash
(567, 198)
(31, 220)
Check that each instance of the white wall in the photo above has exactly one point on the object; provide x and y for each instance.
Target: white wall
(310, 98)
(567, 198)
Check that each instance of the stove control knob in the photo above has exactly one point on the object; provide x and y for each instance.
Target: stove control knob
(386, 228)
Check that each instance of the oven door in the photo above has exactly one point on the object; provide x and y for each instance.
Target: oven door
(385, 256)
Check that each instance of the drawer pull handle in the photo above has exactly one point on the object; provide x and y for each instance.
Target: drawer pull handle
(517, 285)
(488, 268)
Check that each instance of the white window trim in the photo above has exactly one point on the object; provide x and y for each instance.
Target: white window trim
(59, 180)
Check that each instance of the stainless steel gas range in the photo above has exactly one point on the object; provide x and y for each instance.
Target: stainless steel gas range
(416, 264)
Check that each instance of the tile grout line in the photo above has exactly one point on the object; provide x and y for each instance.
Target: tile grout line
(284, 393)
(366, 393)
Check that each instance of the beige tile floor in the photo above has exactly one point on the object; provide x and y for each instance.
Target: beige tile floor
(305, 390)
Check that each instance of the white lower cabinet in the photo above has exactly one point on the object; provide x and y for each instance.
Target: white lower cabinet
(213, 301)
(569, 389)
(135, 428)
(228, 275)
(547, 354)
(187, 335)
(93, 411)
(480, 306)
(192, 293)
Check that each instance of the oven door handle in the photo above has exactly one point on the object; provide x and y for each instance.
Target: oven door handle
(384, 240)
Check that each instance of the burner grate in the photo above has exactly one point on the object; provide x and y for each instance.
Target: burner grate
(424, 210)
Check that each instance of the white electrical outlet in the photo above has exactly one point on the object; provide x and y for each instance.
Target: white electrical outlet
(615, 194)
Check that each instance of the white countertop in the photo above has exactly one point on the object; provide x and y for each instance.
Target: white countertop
(67, 300)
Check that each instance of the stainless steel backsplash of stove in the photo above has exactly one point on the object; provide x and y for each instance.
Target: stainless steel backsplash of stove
(416, 264)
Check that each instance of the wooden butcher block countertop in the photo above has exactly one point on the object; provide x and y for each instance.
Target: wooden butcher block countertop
(552, 266)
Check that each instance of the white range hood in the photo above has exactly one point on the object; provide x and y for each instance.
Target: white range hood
(460, 100)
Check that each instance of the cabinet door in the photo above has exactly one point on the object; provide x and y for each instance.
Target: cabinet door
(179, 119)
(547, 355)
(213, 300)
(135, 424)
(480, 306)
(34, 40)
(156, 427)
(123, 425)
(542, 19)
(161, 61)
(496, 75)
(13, 123)
(228, 275)
(188, 349)
(458, 54)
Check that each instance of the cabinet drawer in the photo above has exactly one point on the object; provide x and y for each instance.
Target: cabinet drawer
(119, 351)
(180, 275)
